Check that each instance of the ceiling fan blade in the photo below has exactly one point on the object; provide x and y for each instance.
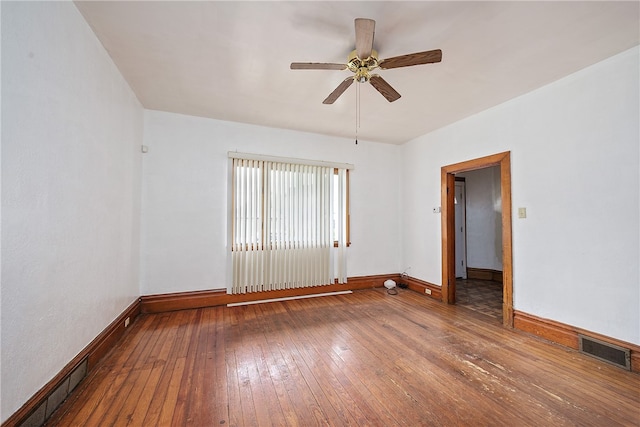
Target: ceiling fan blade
(338, 91)
(365, 29)
(384, 88)
(317, 66)
(417, 58)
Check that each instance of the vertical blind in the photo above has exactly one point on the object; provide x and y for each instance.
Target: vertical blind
(286, 218)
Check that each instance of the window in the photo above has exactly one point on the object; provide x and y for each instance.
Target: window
(289, 224)
(341, 213)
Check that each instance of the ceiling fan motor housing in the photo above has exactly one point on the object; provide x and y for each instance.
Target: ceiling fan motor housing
(362, 67)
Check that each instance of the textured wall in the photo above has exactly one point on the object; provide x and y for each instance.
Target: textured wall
(184, 213)
(71, 132)
(575, 167)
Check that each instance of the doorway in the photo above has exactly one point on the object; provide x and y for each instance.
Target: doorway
(503, 160)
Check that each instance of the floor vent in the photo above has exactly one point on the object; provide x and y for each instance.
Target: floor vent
(54, 399)
(606, 352)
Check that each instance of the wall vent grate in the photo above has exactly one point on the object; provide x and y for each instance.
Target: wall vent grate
(605, 351)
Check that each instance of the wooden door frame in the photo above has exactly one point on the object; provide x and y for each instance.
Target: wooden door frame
(447, 173)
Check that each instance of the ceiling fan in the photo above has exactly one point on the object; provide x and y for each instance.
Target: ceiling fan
(364, 59)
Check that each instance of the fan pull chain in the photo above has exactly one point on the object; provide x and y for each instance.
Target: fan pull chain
(357, 110)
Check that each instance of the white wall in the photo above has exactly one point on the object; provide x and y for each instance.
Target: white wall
(575, 167)
(484, 218)
(71, 132)
(184, 203)
(1, 411)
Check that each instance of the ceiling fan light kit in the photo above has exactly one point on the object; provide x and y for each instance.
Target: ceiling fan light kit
(362, 67)
(364, 59)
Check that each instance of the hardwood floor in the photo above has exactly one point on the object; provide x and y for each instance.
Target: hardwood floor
(364, 359)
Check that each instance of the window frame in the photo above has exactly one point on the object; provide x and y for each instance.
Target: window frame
(347, 209)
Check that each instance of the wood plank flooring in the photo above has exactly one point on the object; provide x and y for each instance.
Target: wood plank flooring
(364, 359)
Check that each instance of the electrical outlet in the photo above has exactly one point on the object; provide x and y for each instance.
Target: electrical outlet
(126, 322)
(427, 291)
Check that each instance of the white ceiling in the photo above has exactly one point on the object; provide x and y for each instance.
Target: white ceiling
(230, 60)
